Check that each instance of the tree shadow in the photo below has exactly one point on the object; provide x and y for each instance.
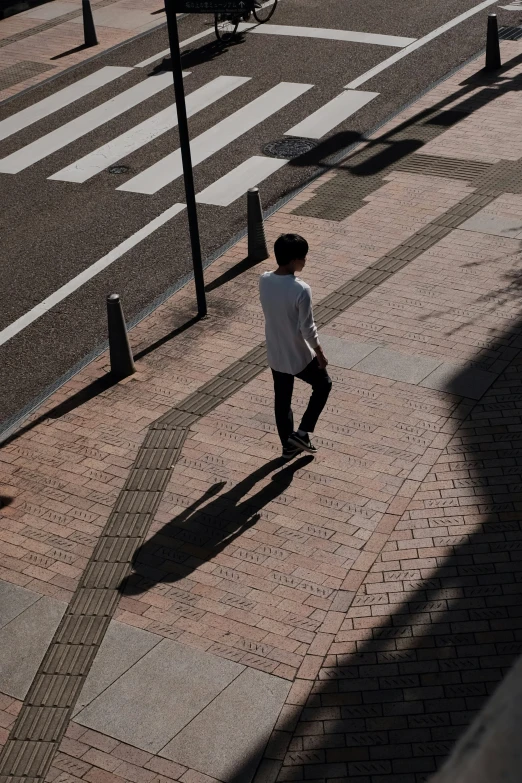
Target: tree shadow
(201, 532)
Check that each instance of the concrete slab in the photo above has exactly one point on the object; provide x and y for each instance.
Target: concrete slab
(227, 738)
(488, 223)
(14, 600)
(122, 19)
(122, 647)
(23, 643)
(346, 353)
(397, 366)
(167, 688)
(52, 10)
(469, 382)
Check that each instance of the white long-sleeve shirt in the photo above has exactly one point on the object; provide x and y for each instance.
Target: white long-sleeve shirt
(290, 331)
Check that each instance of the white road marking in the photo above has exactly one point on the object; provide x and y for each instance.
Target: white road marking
(236, 183)
(128, 142)
(166, 52)
(66, 290)
(59, 100)
(512, 7)
(188, 41)
(330, 35)
(214, 139)
(75, 129)
(417, 45)
(331, 114)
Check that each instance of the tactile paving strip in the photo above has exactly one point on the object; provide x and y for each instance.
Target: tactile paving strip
(40, 28)
(434, 166)
(364, 173)
(21, 71)
(43, 719)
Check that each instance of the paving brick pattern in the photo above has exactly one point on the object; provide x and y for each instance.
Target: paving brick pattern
(29, 46)
(381, 578)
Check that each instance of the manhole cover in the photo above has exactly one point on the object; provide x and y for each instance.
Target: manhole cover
(119, 169)
(289, 148)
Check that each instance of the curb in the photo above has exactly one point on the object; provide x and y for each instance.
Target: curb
(9, 427)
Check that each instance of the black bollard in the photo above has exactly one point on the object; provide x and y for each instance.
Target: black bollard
(89, 30)
(122, 362)
(493, 62)
(257, 249)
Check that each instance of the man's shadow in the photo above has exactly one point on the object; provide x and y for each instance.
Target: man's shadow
(198, 534)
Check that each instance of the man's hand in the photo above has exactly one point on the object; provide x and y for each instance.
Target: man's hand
(321, 358)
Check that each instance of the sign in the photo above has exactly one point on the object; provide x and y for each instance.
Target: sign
(238, 7)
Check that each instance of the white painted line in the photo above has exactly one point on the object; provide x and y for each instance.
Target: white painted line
(417, 45)
(188, 41)
(66, 290)
(166, 52)
(95, 162)
(214, 139)
(236, 183)
(75, 129)
(59, 100)
(329, 35)
(331, 114)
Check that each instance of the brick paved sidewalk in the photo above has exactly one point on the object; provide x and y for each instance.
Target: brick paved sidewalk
(369, 596)
(48, 39)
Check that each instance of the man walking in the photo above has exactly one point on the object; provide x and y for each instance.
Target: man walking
(293, 344)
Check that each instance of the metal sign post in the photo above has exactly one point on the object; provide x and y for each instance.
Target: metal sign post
(192, 213)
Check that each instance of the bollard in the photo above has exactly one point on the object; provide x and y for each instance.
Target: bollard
(493, 62)
(89, 31)
(122, 362)
(257, 249)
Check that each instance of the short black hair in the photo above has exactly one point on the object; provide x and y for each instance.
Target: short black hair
(290, 247)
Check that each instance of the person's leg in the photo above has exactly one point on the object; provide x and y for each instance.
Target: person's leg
(283, 390)
(321, 385)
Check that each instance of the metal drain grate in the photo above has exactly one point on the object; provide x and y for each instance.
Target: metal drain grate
(510, 33)
(289, 148)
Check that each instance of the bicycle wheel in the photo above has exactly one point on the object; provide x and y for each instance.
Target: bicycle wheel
(225, 27)
(264, 14)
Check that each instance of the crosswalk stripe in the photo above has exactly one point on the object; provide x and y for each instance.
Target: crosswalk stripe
(332, 114)
(349, 36)
(60, 99)
(75, 129)
(236, 183)
(95, 162)
(73, 285)
(214, 139)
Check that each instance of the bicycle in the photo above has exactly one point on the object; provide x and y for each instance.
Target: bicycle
(226, 25)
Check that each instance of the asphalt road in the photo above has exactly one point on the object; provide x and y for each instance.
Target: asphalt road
(53, 230)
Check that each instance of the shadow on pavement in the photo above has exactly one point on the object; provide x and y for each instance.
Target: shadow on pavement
(198, 534)
(424, 647)
(203, 54)
(230, 274)
(494, 85)
(436, 624)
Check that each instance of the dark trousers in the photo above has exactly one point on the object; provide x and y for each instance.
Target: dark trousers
(321, 385)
